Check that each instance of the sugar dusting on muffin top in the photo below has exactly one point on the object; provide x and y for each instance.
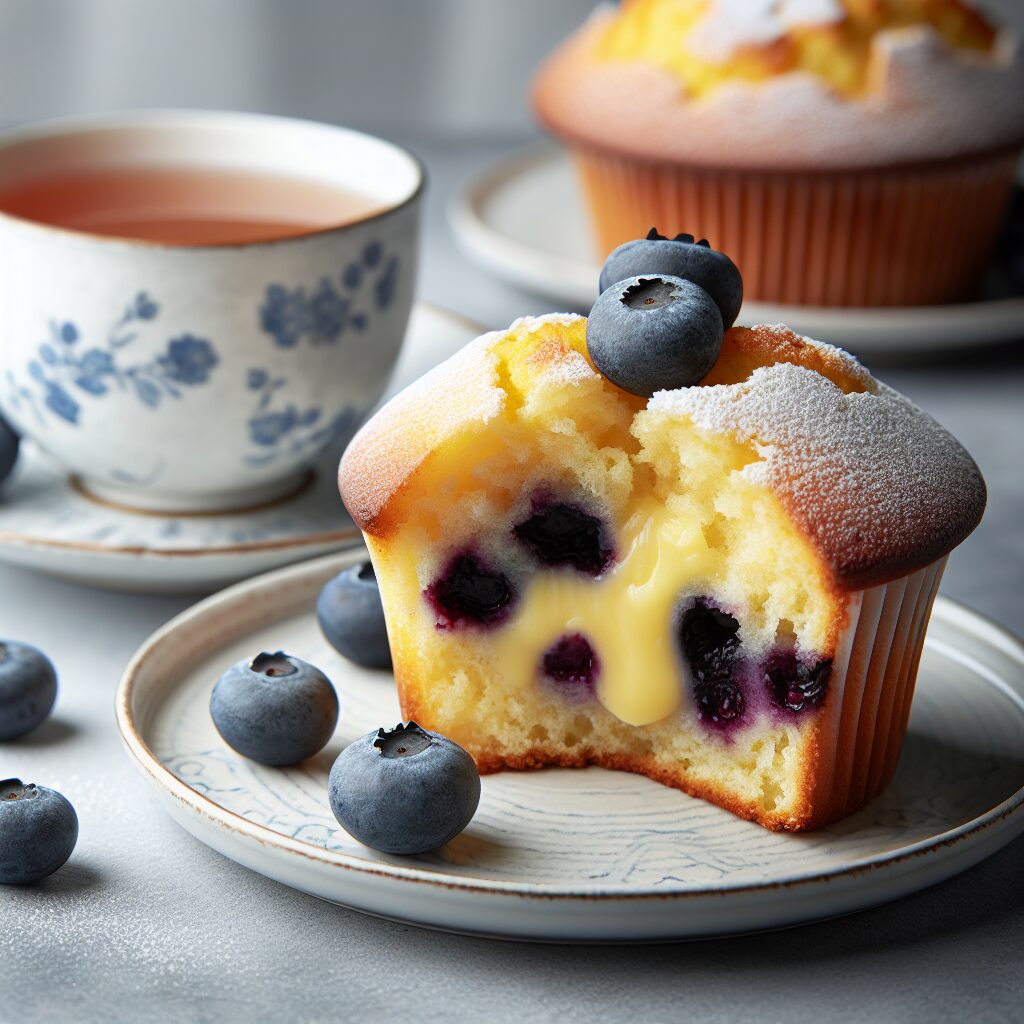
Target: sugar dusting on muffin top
(895, 81)
(708, 42)
(727, 26)
(874, 483)
(871, 479)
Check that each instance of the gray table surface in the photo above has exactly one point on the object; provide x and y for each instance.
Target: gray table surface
(145, 921)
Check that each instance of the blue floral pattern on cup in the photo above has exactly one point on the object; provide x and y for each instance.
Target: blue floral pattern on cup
(66, 371)
(322, 314)
(278, 427)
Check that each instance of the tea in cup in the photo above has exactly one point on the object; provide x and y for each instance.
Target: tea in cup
(196, 305)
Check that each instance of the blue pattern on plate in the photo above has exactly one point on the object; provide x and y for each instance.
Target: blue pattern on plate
(66, 372)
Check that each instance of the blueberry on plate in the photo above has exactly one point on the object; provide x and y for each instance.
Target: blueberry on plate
(274, 708)
(38, 831)
(9, 443)
(679, 257)
(28, 688)
(654, 333)
(406, 790)
(351, 616)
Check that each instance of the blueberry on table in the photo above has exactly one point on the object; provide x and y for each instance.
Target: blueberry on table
(274, 708)
(351, 617)
(9, 443)
(38, 831)
(28, 688)
(654, 333)
(679, 257)
(406, 790)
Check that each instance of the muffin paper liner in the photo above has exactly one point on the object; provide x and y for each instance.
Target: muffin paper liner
(861, 737)
(901, 236)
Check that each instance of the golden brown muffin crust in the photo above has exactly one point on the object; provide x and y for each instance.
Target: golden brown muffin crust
(929, 104)
(876, 485)
(460, 394)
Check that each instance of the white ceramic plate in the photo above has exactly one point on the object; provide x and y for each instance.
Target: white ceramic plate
(523, 218)
(574, 855)
(49, 525)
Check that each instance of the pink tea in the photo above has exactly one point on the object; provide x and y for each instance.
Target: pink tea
(184, 206)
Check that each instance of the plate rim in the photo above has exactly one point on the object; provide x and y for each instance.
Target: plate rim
(200, 805)
(482, 240)
(313, 540)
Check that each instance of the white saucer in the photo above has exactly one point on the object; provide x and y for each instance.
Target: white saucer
(523, 218)
(47, 524)
(574, 855)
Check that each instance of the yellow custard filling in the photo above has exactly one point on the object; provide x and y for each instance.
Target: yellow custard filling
(627, 616)
(667, 33)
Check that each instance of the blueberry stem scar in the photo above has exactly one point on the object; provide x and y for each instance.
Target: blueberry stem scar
(15, 789)
(276, 664)
(402, 741)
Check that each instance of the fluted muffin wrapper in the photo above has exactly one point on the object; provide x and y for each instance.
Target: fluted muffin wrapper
(900, 236)
(861, 735)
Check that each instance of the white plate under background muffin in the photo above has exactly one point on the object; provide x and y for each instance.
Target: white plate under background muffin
(574, 854)
(49, 524)
(523, 218)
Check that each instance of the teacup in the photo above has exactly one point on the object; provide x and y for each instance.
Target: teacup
(199, 378)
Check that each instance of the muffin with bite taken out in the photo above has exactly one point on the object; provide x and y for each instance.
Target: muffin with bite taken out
(656, 542)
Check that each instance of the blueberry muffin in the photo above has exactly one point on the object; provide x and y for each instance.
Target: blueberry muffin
(843, 152)
(723, 587)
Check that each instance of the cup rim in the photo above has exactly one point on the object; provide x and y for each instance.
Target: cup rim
(148, 116)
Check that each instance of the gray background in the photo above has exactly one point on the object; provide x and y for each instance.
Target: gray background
(417, 67)
(145, 922)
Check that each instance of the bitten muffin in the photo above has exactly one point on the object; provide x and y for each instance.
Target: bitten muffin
(843, 152)
(724, 588)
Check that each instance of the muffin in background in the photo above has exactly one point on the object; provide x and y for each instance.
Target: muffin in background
(843, 152)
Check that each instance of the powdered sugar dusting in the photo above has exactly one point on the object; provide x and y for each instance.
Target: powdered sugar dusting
(731, 25)
(531, 323)
(876, 484)
(848, 362)
(926, 100)
(558, 363)
(569, 368)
